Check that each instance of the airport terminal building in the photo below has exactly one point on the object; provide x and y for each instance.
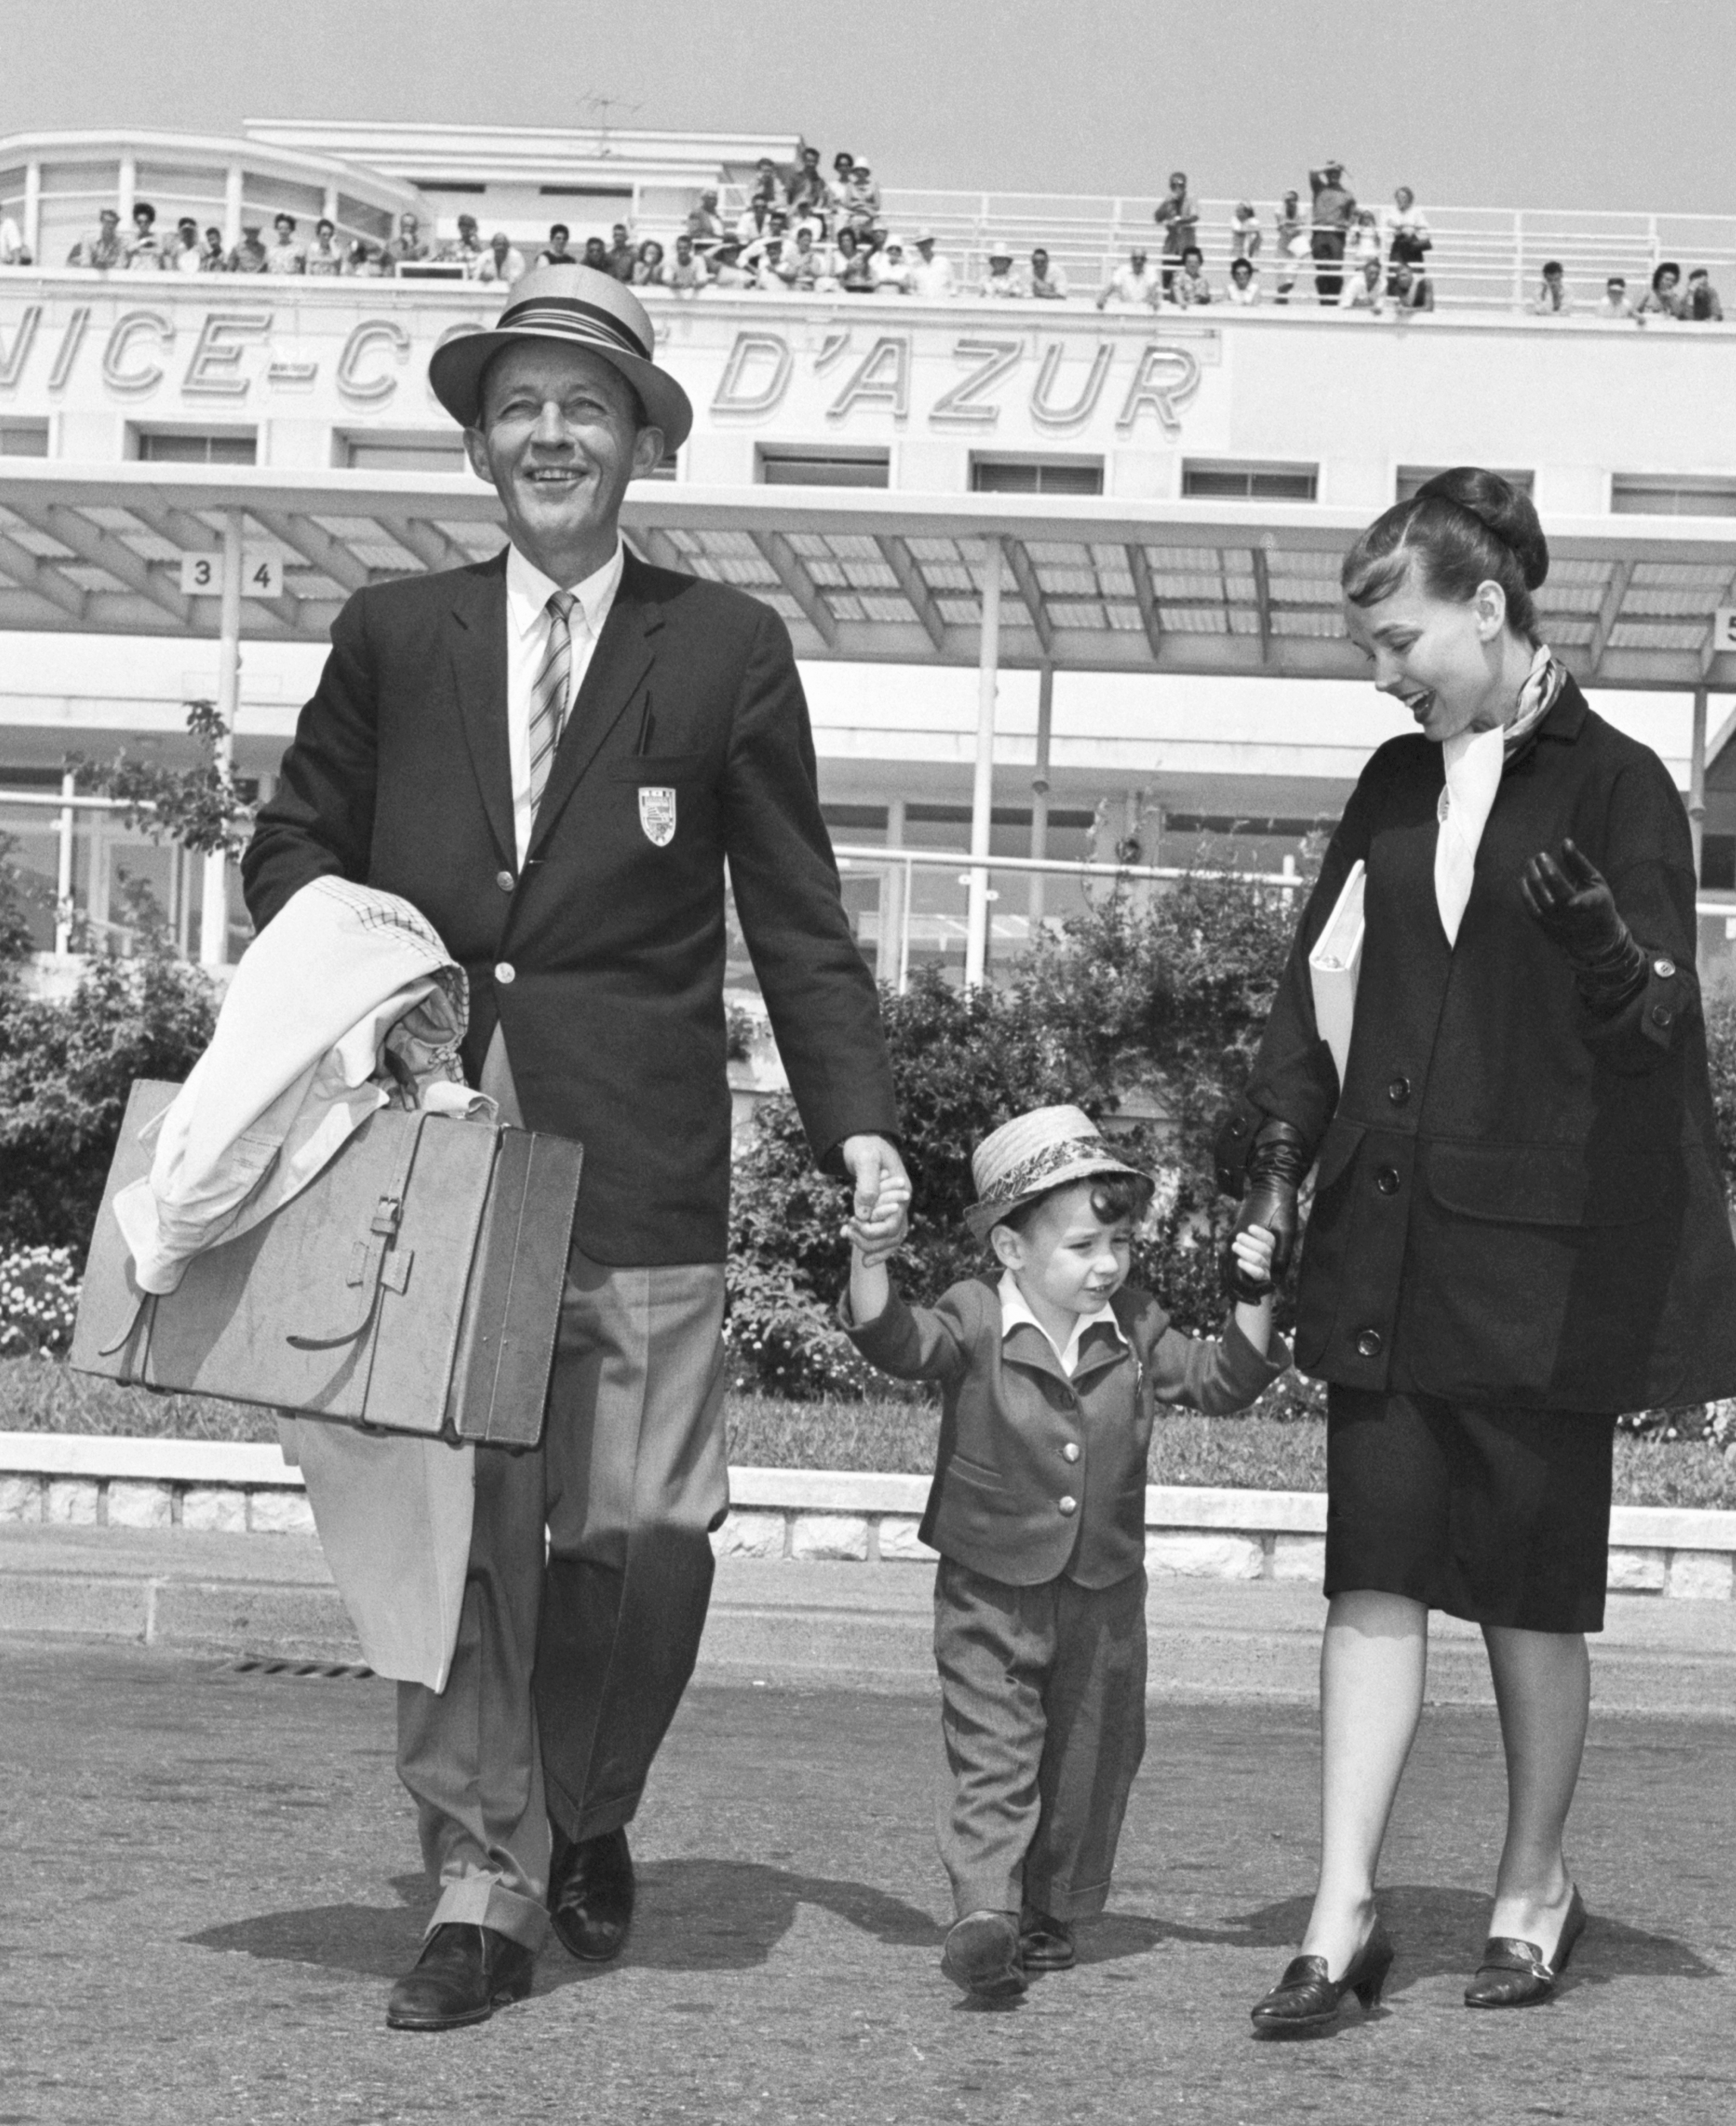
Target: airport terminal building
(1062, 576)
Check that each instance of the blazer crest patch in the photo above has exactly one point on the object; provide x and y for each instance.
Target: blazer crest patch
(657, 814)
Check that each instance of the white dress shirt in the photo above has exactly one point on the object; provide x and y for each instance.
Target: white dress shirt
(528, 622)
(1015, 1310)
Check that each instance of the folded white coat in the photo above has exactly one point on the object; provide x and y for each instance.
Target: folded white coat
(346, 1002)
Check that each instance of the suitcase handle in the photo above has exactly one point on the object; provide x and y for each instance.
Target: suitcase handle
(375, 1262)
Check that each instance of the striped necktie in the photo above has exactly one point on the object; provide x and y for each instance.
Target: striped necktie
(548, 696)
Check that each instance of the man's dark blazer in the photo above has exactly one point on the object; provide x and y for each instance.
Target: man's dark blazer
(399, 777)
(1516, 1203)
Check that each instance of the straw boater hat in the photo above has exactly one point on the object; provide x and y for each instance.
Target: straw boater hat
(575, 306)
(1032, 1154)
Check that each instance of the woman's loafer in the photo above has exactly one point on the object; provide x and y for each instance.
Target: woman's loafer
(1513, 1973)
(1306, 1999)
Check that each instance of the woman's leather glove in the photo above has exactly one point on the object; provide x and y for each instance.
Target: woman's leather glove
(1275, 1169)
(1573, 901)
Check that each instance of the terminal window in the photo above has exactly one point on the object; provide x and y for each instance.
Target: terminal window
(1717, 864)
(1645, 494)
(179, 448)
(1036, 476)
(1411, 477)
(23, 439)
(1216, 480)
(408, 453)
(783, 465)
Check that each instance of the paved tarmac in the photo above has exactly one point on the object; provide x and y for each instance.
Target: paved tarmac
(210, 1882)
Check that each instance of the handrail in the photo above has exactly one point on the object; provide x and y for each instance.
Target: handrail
(872, 852)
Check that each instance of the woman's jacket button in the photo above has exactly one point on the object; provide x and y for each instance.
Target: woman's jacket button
(1369, 1342)
(1398, 1091)
(1387, 1180)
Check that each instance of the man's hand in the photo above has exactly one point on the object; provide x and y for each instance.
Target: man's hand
(880, 1210)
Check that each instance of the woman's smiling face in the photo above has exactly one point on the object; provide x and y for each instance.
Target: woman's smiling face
(1442, 658)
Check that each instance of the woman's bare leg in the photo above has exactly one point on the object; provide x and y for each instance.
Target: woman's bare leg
(1543, 1687)
(1372, 1666)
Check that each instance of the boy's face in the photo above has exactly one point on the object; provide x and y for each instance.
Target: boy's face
(1066, 1255)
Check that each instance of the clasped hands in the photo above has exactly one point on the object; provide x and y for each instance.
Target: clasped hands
(880, 1207)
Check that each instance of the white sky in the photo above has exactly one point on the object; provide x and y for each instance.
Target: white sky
(1544, 103)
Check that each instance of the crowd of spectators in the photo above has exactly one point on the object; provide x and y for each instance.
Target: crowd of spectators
(805, 229)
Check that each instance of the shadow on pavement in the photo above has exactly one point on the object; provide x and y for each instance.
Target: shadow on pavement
(705, 1915)
(1440, 1933)
(696, 1915)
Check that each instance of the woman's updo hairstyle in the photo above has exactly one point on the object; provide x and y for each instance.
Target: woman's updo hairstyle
(1461, 528)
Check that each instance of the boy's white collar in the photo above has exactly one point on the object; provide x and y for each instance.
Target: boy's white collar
(1016, 1312)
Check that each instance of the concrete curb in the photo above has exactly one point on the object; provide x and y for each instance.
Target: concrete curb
(805, 1515)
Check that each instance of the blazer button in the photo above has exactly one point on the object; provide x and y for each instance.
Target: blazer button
(1664, 969)
(1369, 1342)
(1069, 1452)
(1387, 1180)
(505, 971)
(505, 881)
(1662, 1014)
(1068, 1505)
(1398, 1091)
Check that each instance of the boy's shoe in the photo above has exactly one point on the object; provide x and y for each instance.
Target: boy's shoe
(981, 1955)
(1045, 1943)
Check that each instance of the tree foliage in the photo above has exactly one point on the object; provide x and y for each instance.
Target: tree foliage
(1146, 1009)
(65, 1070)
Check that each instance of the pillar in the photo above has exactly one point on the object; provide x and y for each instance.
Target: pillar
(33, 209)
(214, 903)
(232, 205)
(1697, 780)
(63, 868)
(1040, 791)
(894, 962)
(982, 786)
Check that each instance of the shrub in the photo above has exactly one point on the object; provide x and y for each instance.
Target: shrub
(39, 1299)
(65, 1070)
(1162, 1003)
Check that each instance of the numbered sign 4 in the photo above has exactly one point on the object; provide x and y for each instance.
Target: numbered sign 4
(262, 575)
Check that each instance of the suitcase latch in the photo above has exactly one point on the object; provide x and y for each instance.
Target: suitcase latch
(388, 1212)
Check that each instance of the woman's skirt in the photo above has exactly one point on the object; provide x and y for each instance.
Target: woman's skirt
(1494, 1514)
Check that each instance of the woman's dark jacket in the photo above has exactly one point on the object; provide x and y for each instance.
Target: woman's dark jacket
(1514, 1202)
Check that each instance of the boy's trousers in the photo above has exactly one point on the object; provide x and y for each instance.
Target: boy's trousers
(1042, 1706)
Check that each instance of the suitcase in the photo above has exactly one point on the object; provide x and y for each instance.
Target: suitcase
(413, 1285)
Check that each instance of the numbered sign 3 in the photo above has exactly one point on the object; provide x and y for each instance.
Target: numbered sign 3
(262, 575)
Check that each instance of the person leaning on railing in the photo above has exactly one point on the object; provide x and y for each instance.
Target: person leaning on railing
(1664, 298)
(14, 251)
(1701, 303)
(1553, 300)
(1409, 288)
(1135, 283)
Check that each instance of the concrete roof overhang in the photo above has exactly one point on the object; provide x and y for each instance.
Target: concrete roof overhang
(1089, 583)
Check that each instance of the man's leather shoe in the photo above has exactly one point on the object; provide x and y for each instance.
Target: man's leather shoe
(590, 1894)
(463, 1974)
(981, 1956)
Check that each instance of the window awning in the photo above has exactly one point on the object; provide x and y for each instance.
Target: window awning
(1089, 583)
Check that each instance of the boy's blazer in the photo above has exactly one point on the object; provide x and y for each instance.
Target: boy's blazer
(1038, 1475)
(689, 746)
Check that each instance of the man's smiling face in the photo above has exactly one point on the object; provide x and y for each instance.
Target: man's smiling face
(559, 440)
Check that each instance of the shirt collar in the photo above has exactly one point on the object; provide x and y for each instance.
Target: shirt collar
(528, 591)
(1015, 1313)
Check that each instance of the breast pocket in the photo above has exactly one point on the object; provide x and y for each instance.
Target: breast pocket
(666, 783)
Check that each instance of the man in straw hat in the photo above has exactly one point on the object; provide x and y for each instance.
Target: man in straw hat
(1049, 1378)
(553, 754)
